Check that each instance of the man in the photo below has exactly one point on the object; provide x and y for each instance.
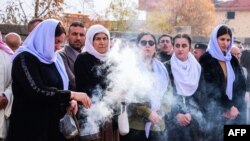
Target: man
(199, 49)
(165, 47)
(238, 44)
(33, 23)
(236, 52)
(76, 40)
(13, 40)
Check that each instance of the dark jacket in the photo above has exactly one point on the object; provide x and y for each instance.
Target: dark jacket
(69, 56)
(216, 87)
(39, 100)
(185, 104)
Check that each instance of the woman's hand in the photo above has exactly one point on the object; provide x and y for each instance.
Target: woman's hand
(72, 108)
(154, 117)
(81, 97)
(183, 119)
(232, 113)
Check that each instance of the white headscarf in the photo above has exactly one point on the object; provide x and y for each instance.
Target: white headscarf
(186, 74)
(41, 43)
(94, 29)
(215, 51)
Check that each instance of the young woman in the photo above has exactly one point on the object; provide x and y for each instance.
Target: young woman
(224, 82)
(185, 73)
(146, 117)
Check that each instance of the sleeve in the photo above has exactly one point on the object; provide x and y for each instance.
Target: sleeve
(139, 110)
(8, 91)
(27, 76)
(68, 70)
(83, 75)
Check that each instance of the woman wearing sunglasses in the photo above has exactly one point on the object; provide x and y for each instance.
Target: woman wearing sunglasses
(184, 72)
(146, 116)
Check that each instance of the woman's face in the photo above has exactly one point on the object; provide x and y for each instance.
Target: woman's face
(101, 43)
(181, 48)
(58, 41)
(223, 42)
(147, 43)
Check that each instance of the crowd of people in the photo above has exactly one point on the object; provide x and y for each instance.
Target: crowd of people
(192, 93)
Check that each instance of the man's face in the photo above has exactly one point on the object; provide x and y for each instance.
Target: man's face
(198, 52)
(165, 45)
(76, 37)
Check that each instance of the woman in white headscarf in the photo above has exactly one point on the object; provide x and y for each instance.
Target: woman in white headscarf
(224, 83)
(185, 74)
(91, 72)
(40, 85)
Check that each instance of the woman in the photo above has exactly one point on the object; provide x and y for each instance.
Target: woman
(185, 74)
(40, 86)
(224, 82)
(244, 60)
(91, 71)
(6, 97)
(146, 117)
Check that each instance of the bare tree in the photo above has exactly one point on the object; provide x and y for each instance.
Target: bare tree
(122, 12)
(15, 12)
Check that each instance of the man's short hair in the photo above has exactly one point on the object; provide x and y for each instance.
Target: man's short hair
(32, 22)
(76, 24)
(165, 35)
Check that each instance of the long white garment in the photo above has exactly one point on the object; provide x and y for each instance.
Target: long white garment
(159, 88)
(5, 88)
(186, 74)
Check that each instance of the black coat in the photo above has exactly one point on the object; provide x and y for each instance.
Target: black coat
(215, 101)
(192, 132)
(39, 101)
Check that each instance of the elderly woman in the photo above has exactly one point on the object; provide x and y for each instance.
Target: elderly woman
(40, 85)
(91, 71)
(224, 82)
(185, 74)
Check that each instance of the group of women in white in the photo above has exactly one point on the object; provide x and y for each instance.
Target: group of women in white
(189, 99)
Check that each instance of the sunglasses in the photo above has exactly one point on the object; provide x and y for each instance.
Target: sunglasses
(144, 42)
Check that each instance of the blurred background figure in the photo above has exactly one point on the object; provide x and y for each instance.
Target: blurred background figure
(238, 44)
(236, 52)
(165, 47)
(33, 23)
(244, 61)
(199, 49)
(6, 97)
(13, 40)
